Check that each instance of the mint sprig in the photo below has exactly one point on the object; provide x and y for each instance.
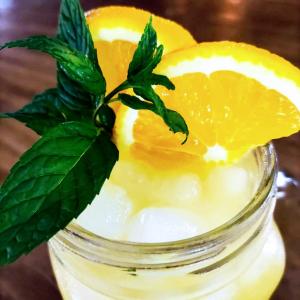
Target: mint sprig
(141, 79)
(61, 174)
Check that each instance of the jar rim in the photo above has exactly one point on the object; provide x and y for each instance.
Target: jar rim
(75, 233)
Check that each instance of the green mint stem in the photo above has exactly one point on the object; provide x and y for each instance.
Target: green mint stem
(108, 99)
(123, 86)
(113, 100)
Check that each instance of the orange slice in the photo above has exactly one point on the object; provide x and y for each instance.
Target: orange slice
(233, 96)
(116, 31)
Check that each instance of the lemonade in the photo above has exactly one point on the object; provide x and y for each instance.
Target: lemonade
(161, 164)
(243, 259)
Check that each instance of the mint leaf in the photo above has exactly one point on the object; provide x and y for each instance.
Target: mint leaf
(172, 118)
(146, 57)
(176, 123)
(143, 56)
(51, 184)
(148, 93)
(163, 80)
(73, 30)
(47, 111)
(136, 103)
(78, 67)
(144, 75)
(42, 113)
(74, 96)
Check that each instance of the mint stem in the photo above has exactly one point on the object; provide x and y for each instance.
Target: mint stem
(108, 99)
(114, 100)
(123, 86)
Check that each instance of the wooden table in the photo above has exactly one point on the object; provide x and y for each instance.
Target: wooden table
(272, 24)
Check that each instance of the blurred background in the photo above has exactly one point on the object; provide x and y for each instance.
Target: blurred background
(271, 24)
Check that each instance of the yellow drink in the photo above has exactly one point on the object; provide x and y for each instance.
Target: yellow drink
(226, 247)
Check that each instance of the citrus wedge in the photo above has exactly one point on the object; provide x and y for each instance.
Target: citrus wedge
(233, 96)
(116, 31)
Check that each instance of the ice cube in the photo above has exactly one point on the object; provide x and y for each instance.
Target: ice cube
(108, 213)
(227, 190)
(132, 177)
(228, 182)
(134, 173)
(178, 190)
(163, 224)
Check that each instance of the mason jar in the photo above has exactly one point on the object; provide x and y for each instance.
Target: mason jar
(242, 259)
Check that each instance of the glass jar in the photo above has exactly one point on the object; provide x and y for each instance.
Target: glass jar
(242, 259)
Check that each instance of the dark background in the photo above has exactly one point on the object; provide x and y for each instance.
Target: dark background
(272, 24)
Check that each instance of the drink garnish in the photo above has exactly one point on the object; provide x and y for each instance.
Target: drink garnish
(60, 175)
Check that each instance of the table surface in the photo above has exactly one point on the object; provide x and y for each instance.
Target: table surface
(272, 24)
